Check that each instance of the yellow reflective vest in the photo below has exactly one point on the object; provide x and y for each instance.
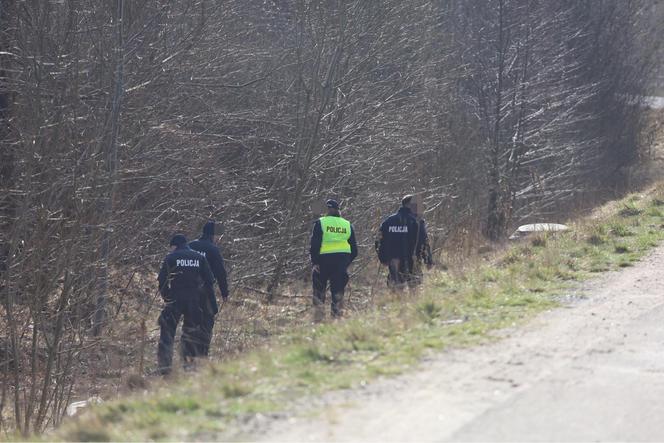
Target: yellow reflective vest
(336, 233)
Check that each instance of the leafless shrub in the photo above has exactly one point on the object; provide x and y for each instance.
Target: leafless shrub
(123, 122)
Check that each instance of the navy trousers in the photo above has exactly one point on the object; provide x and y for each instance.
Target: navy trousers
(192, 337)
(334, 272)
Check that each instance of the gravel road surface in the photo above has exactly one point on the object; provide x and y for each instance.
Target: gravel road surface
(592, 370)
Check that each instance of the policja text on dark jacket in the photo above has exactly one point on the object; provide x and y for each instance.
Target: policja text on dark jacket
(183, 279)
(183, 273)
(399, 236)
(402, 238)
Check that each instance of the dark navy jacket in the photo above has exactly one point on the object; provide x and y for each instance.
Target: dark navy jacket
(183, 273)
(400, 236)
(423, 248)
(205, 246)
(337, 257)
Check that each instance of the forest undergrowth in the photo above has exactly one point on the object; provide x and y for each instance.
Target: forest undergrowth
(455, 308)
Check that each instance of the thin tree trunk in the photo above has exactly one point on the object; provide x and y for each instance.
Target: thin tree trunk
(111, 159)
(496, 218)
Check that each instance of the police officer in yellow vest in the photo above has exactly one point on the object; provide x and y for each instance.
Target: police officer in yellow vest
(333, 248)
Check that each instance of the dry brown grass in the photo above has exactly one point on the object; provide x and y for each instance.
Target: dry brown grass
(123, 359)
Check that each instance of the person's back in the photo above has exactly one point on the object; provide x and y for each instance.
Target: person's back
(399, 234)
(209, 306)
(332, 249)
(184, 266)
(183, 279)
(205, 246)
(329, 227)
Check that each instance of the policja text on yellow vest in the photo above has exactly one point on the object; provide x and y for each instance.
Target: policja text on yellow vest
(336, 233)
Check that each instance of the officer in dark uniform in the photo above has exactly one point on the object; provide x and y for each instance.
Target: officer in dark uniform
(333, 248)
(423, 256)
(209, 307)
(183, 277)
(401, 238)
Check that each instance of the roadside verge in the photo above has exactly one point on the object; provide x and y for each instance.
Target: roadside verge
(455, 309)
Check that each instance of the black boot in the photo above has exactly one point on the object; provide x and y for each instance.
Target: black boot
(319, 307)
(337, 304)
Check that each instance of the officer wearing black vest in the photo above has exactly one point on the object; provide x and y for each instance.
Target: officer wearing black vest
(183, 277)
(209, 307)
(333, 248)
(401, 237)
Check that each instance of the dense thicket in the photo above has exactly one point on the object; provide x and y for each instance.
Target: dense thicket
(124, 121)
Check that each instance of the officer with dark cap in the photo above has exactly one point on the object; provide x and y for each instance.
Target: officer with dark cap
(401, 238)
(333, 248)
(184, 275)
(209, 307)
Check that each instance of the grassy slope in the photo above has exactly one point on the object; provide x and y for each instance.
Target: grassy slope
(453, 310)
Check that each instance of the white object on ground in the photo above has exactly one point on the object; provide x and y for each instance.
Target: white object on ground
(524, 230)
(76, 406)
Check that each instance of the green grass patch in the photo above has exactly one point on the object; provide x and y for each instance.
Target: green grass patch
(630, 209)
(454, 309)
(429, 310)
(620, 230)
(539, 241)
(655, 211)
(596, 236)
(621, 249)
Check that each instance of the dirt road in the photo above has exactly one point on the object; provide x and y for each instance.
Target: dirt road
(592, 370)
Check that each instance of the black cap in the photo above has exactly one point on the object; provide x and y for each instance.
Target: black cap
(208, 229)
(178, 240)
(332, 204)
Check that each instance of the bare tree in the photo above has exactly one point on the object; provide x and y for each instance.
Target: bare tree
(124, 122)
